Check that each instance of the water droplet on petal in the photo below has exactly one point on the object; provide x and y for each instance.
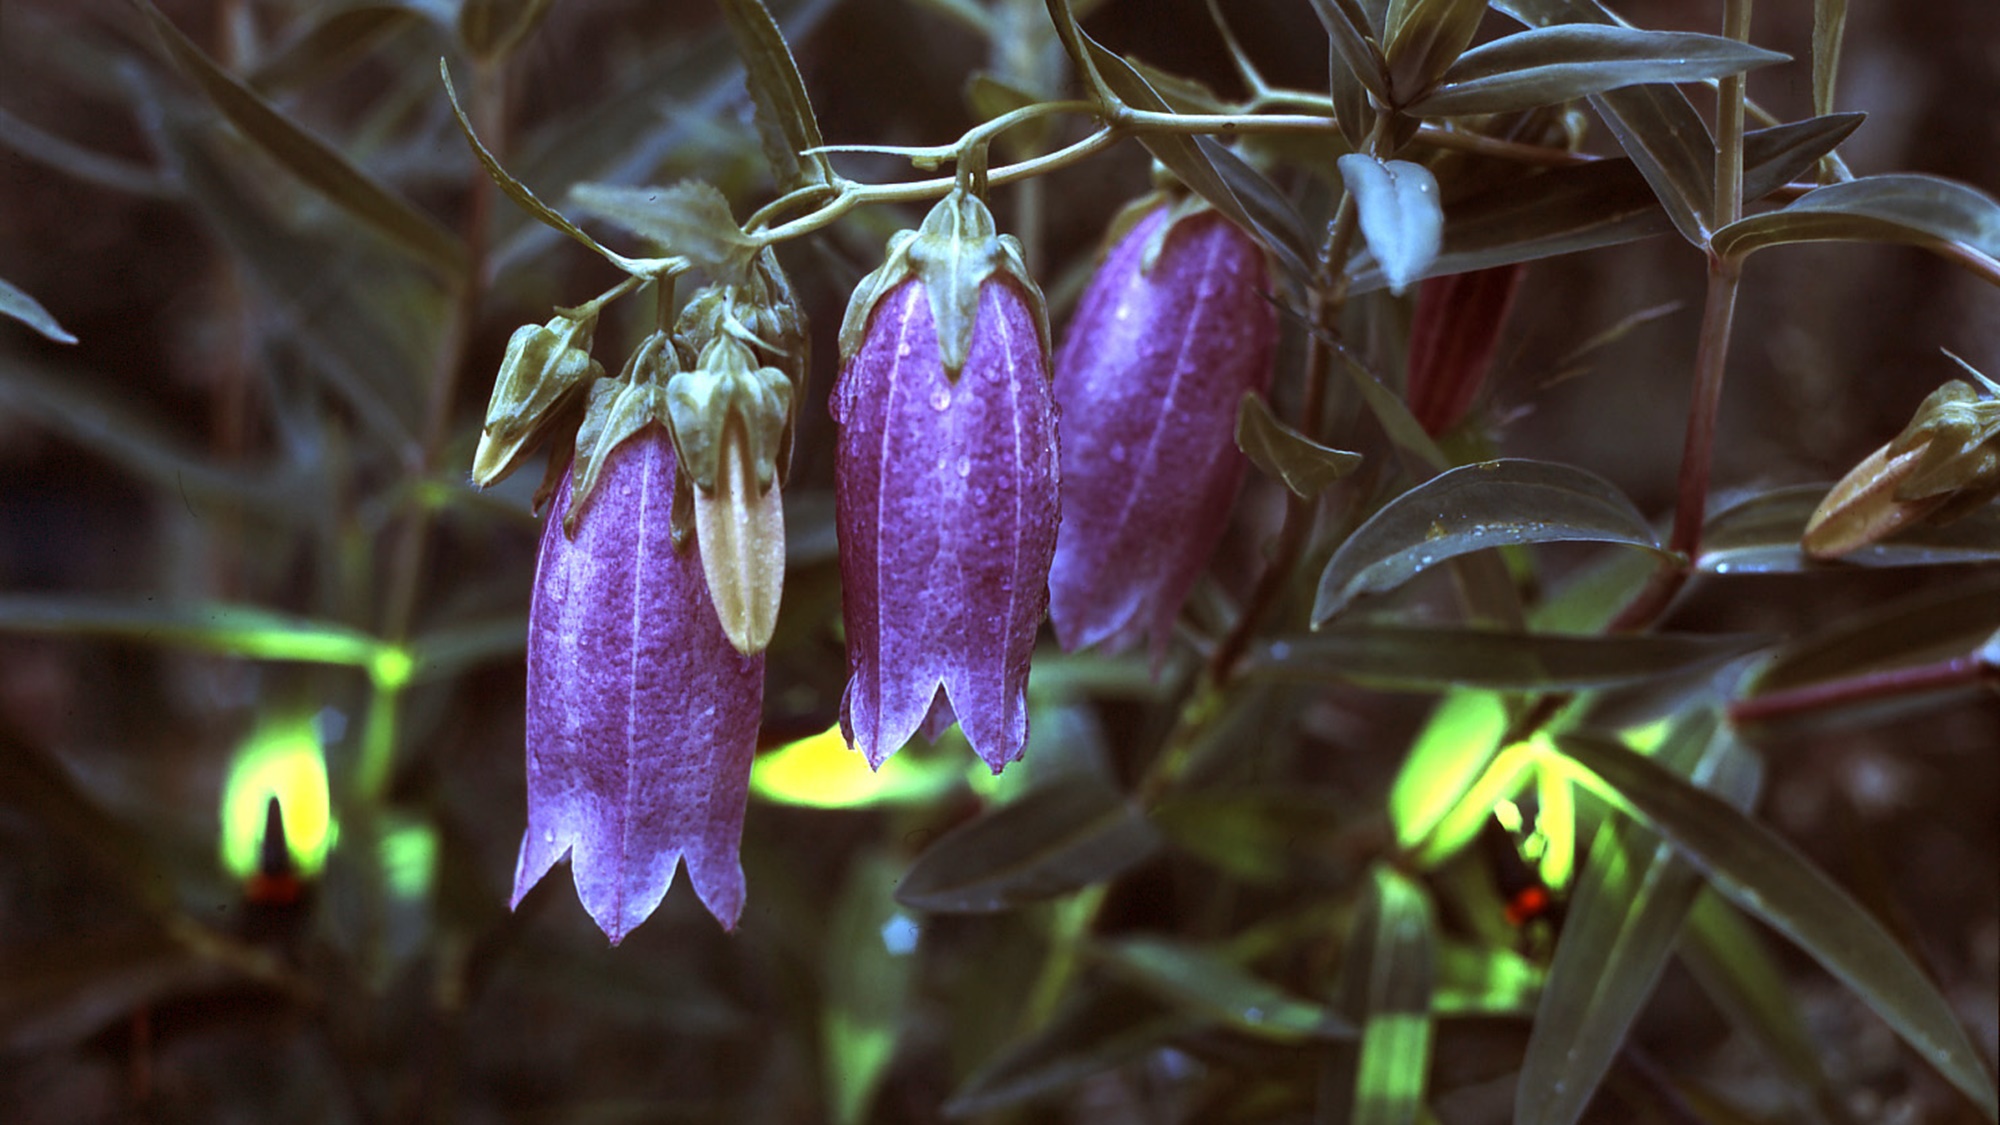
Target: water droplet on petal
(941, 398)
(903, 350)
(964, 466)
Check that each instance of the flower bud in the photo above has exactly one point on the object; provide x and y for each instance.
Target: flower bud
(1172, 332)
(642, 718)
(1453, 337)
(547, 368)
(1943, 465)
(946, 481)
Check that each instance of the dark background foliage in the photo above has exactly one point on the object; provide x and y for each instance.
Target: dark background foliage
(245, 411)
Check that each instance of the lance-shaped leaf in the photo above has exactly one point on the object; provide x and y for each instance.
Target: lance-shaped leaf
(1401, 217)
(1101, 1027)
(1422, 38)
(1545, 66)
(1206, 983)
(1915, 627)
(313, 161)
(1356, 53)
(1621, 925)
(1491, 504)
(1905, 207)
(785, 120)
(642, 718)
(1386, 977)
(1304, 465)
(17, 304)
(1447, 758)
(1207, 169)
(222, 627)
(1430, 659)
(1050, 841)
(1767, 877)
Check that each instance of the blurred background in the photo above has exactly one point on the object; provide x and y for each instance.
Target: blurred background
(272, 404)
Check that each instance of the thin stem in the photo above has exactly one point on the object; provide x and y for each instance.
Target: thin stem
(1959, 671)
(1729, 121)
(1697, 450)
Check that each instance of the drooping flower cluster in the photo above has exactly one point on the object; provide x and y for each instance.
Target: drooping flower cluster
(661, 562)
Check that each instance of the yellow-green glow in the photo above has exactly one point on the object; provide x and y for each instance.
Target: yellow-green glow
(283, 758)
(409, 859)
(391, 667)
(821, 772)
(1446, 761)
(1502, 779)
(1509, 815)
(1648, 738)
(1478, 980)
(1555, 827)
(1394, 1066)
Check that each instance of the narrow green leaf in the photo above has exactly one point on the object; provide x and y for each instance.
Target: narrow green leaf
(235, 630)
(1267, 836)
(1400, 658)
(1048, 842)
(1761, 535)
(785, 118)
(329, 45)
(1501, 503)
(1422, 38)
(1829, 26)
(1276, 221)
(1393, 970)
(1924, 625)
(515, 189)
(870, 959)
(1549, 65)
(1729, 962)
(1905, 207)
(1767, 877)
(1773, 157)
(491, 29)
(1304, 465)
(18, 305)
(1206, 984)
(1481, 980)
(1194, 163)
(445, 652)
(1356, 50)
(313, 161)
(1100, 1028)
(1622, 923)
(1446, 759)
(1655, 124)
(1402, 218)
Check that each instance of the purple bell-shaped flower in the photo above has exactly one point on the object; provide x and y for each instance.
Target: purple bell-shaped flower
(1172, 333)
(947, 488)
(642, 717)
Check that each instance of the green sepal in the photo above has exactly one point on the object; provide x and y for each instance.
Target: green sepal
(1958, 430)
(618, 408)
(727, 384)
(545, 367)
(954, 252)
(761, 313)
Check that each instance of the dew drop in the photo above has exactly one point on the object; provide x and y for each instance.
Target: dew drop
(1722, 568)
(548, 836)
(941, 398)
(964, 466)
(903, 350)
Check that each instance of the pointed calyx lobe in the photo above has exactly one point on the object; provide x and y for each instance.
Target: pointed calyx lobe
(947, 508)
(642, 717)
(1173, 331)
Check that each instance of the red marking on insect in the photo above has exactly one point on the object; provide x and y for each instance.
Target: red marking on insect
(1528, 904)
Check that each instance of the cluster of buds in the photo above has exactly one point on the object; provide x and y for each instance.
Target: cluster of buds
(656, 588)
(1945, 464)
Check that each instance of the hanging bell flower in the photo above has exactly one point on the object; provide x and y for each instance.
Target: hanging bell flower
(642, 716)
(946, 480)
(1171, 334)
